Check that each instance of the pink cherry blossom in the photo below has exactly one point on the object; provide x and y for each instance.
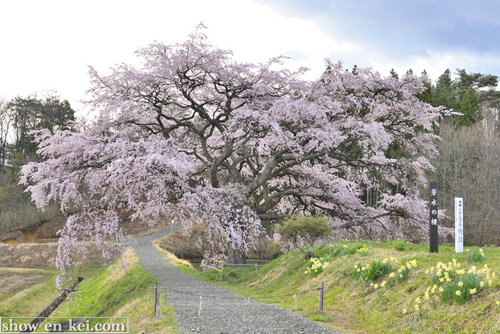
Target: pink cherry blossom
(197, 136)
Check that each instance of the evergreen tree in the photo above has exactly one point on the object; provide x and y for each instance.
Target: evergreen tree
(31, 113)
(427, 95)
(394, 74)
(443, 94)
(469, 107)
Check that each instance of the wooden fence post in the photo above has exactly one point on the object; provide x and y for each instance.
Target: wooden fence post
(157, 302)
(320, 307)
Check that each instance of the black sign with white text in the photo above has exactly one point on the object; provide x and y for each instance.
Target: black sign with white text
(433, 220)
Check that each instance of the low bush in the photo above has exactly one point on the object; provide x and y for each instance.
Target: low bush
(475, 256)
(398, 244)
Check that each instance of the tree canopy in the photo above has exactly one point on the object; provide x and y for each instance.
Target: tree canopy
(196, 135)
(18, 117)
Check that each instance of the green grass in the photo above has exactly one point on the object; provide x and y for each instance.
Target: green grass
(31, 301)
(115, 291)
(355, 304)
(121, 291)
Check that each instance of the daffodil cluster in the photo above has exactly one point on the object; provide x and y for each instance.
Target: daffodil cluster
(453, 282)
(372, 271)
(402, 273)
(445, 272)
(316, 266)
(362, 251)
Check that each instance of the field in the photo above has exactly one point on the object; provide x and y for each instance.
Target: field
(119, 289)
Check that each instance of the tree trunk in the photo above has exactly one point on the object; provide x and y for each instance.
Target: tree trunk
(236, 256)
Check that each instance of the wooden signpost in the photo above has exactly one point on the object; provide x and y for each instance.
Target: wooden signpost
(433, 218)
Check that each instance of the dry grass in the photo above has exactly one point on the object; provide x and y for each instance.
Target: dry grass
(171, 257)
(12, 281)
(33, 290)
(126, 263)
(43, 255)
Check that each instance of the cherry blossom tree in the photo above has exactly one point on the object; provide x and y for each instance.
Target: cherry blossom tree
(196, 135)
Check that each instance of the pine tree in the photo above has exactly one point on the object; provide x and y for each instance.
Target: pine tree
(394, 74)
(469, 107)
(444, 94)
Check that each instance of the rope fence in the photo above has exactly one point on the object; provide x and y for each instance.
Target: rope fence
(158, 289)
(211, 263)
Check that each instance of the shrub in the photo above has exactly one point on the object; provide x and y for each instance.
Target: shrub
(398, 244)
(475, 256)
(304, 231)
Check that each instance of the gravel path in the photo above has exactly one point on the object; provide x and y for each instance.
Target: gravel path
(227, 313)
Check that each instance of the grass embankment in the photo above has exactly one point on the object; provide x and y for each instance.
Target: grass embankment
(123, 289)
(26, 292)
(376, 299)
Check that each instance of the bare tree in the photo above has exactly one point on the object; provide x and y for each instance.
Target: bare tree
(468, 166)
(5, 127)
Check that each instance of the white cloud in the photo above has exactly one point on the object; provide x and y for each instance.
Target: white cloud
(51, 43)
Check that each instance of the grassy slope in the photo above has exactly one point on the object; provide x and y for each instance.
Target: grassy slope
(120, 290)
(352, 305)
(31, 301)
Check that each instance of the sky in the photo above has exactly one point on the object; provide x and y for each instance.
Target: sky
(48, 45)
